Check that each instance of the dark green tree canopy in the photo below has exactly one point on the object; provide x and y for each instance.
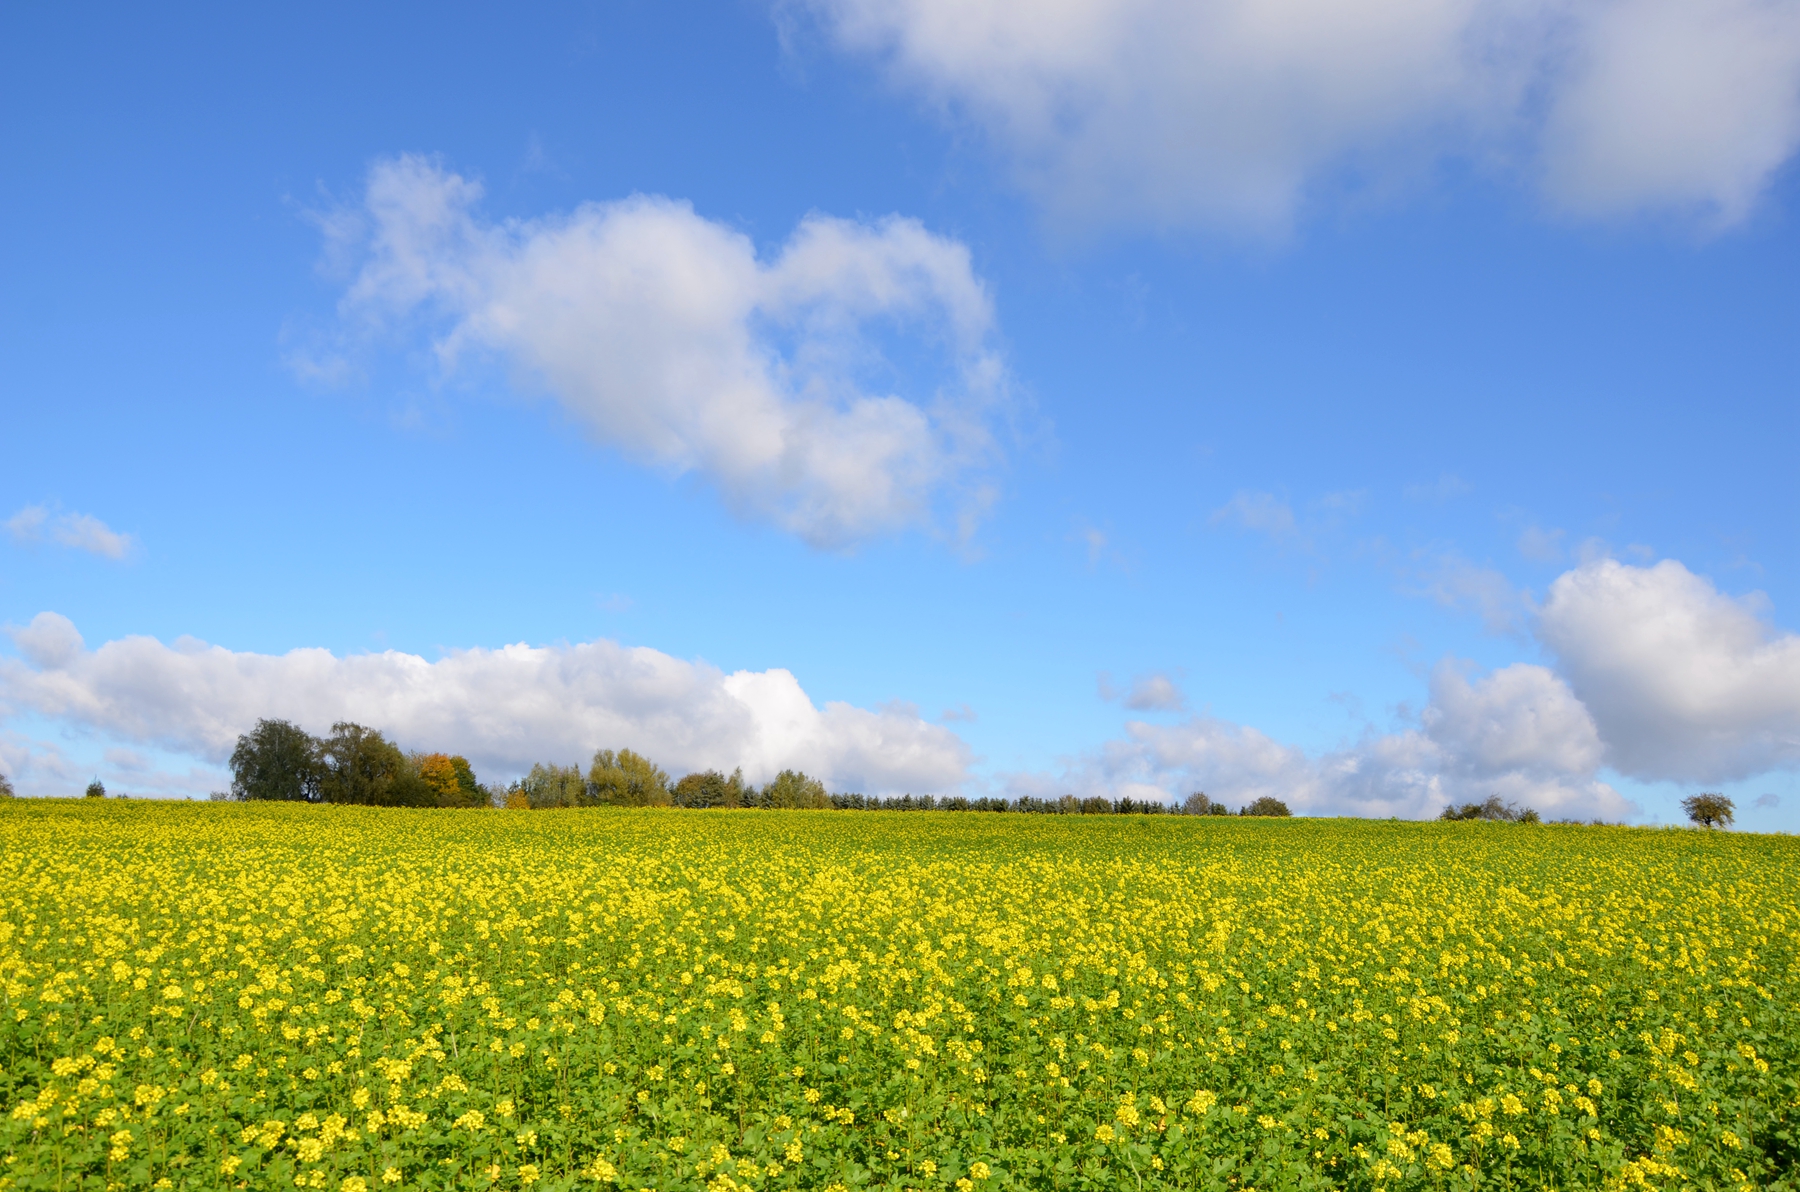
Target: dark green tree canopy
(709, 788)
(96, 789)
(1266, 805)
(276, 760)
(359, 765)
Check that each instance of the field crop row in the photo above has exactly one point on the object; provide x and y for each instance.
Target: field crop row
(245, 996)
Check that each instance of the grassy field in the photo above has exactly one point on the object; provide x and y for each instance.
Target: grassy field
(240, 996)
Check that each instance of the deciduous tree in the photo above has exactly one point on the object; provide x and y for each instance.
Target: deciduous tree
(359, 765)
(792, 790)
(1711, 810)
(709, 788)
(549, 786)
(276, 760)
(627, 779)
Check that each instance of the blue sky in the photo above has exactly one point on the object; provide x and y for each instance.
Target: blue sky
(930, 396)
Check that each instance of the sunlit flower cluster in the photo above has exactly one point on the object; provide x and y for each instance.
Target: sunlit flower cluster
(364, 1000)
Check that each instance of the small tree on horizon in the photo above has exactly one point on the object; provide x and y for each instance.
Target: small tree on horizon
(6, 788)
(1266, 805)
(96, 789)
(1709, 810)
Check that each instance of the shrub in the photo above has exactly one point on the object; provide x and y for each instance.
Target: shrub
(1493, 810)
(96, 789)
(1266, 805)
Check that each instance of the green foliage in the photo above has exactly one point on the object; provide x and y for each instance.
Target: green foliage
(709, 788)
(1709, 810)
(473, 794)
(550, 786)
(96, 789)
(359, 765)
(276, 760)
(1266, 805)
(792, 790)
(626, 779)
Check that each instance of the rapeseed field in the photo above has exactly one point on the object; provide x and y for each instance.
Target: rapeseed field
(279, 996)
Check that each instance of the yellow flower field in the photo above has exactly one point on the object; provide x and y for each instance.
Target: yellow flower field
(217, 996)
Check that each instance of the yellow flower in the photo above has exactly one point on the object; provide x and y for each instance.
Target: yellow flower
(978, 1170)
(528, 1174)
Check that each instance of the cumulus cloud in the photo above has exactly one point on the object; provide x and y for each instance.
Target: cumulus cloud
(78, 531)
(1518, 733)
(1227, 113)
(671, 339)
(1684, 681)
(504, 708)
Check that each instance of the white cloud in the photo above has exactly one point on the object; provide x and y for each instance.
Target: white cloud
(1684, 682)
(1518, 733)
(1228, 113)
(1680, 104)
(503, 708)
(666, 335)
(78, 531)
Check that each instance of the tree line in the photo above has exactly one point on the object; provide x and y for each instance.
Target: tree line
(278, 760)
(354, 764)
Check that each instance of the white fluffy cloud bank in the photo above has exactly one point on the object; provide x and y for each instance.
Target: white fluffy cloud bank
(1658, 676)
(840, 388)
(1226, 112)
(504, 708)
(1684, 681)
